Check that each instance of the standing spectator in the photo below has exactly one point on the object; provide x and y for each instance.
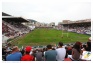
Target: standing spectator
(50, 55)
(61, 52)
(39, 55)
(15, 55)
(27, 56)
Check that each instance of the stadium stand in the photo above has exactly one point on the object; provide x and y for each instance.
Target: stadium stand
(80, 26)
(12, 26)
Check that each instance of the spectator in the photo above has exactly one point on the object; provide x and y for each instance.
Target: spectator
(44, 50)
(89, 40)
(27, 56)
(88, 46)
(15, 55)
(61, 52)
(33, 53)
(79, 43)
(76, 52)
(22, 51)
(3, 53)
(39, 55)
(50, 55)
(66, 56)
(69, 50)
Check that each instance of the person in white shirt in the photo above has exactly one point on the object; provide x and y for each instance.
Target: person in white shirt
(61, 52)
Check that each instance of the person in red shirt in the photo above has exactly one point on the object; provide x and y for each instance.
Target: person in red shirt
(27, 56)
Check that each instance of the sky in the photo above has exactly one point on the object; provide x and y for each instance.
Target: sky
(47, 11)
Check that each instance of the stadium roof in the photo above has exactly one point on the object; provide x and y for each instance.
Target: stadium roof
(76, 22)
(31, 20)
(12, 18)
(8, 17)
(5, 14)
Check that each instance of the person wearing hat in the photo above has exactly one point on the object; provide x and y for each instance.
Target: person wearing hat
(27, 56)
(15, 55)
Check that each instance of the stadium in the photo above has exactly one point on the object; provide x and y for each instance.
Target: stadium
(21, 32)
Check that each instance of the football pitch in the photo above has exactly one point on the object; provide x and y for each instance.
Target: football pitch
(44, 36)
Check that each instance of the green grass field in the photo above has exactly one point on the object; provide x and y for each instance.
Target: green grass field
(48, 36)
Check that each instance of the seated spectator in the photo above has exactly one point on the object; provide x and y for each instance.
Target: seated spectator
(76, 52)
(39, 55)
(69, 50)
(22, 51)
(50, 55)
(83, 47)
(89, 40)
(66, 56)
(61, 52)
(27, 56)
(88, 46)
(15, 55)
(3, 53)
(44, 50)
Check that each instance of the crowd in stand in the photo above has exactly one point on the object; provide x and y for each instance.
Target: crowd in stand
(7, 31)
(49, 53)
(14, 29)
(81, 30)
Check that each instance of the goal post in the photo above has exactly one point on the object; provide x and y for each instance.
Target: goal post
(67, 33)
(67, 30)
